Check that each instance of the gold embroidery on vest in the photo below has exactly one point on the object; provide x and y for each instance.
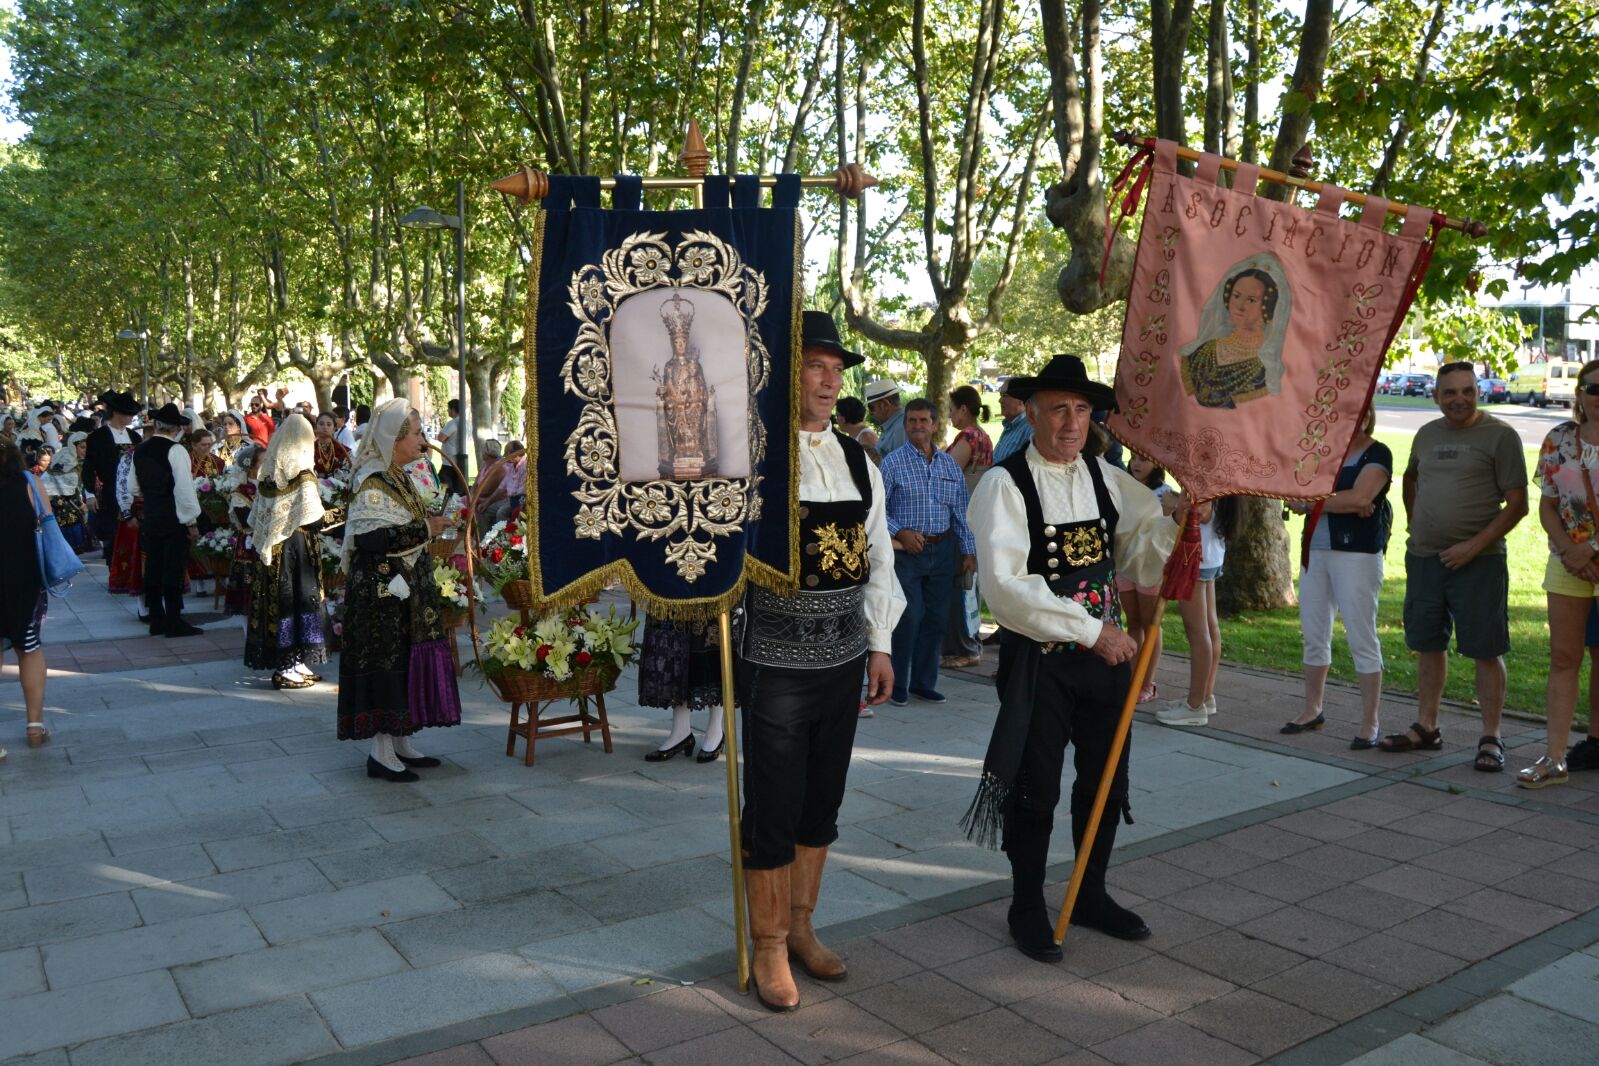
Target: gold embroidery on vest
(1082, 546)
(843, 554)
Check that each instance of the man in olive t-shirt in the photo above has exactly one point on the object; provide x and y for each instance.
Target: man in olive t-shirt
(1464, 489)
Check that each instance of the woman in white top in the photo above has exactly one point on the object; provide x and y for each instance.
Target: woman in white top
(1200, 623)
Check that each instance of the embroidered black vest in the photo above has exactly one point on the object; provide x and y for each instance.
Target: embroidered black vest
(1077, 559)
(823, 624)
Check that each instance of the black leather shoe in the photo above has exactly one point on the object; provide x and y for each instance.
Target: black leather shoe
(158, 626)
(1034, 936)
(180, 628)
(1290, 728)
(421, 762)
(377, 769)
(709, 756)
(1110, 918)
(682, 747)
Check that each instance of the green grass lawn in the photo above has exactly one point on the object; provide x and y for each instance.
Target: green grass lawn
(1272, 639)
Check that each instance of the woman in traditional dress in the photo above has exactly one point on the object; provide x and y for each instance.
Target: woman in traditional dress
(64, 483)
(680, 666)
(241, 501)
(234, 436)
(203, 464)
(286, 629)
(1237, 355)
(395, 672)
(331, 456)
(126, 571)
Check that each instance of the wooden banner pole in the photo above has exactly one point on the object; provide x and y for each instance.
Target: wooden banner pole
(1118, 744)
(1465, 225)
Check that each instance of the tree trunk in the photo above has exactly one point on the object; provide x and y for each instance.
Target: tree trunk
(1259, 575)
(480, 380)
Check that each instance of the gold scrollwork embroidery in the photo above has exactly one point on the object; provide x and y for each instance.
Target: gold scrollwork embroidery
(843, 554)
(1083, 546)
(688, 516)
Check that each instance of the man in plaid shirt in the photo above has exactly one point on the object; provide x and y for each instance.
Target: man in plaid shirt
(926, 498)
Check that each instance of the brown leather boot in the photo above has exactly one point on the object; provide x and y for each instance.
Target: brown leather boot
(805, 885)
(768, 895)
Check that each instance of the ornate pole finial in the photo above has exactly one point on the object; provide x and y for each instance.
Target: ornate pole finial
(526, 184)
(696, 158)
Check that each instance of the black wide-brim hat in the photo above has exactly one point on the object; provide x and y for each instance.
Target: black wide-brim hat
(122, 403)
(819, 329)
(1064, 373)
(169, 415)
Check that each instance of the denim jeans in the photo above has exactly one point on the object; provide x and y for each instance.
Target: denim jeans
(929, 581)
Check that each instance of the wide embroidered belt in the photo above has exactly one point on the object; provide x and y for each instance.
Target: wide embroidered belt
(805, 631)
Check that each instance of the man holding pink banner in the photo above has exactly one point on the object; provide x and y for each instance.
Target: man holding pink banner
(1054, 527)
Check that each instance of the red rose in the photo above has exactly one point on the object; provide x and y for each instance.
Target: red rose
(583, 658)
(496, 555)
(520, 630)
(543, 652)
(516, 542)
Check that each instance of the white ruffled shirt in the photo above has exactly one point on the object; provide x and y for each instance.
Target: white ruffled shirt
(1022, 601)
(825, 478)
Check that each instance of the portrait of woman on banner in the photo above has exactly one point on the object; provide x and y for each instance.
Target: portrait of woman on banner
(1237, 355)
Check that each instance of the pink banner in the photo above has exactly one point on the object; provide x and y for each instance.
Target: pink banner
(1255, 330)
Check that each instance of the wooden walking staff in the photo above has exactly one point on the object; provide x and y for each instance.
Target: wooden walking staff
(1178, 584)
(849, 180)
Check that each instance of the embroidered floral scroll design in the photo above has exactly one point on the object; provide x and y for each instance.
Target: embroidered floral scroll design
(1207, 459)
(1332, 378)
(688, 516)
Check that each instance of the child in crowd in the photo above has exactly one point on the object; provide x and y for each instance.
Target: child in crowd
(1140, 602)
(1199, 618)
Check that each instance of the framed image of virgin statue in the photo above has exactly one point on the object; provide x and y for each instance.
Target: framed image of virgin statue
(681, 384)
(1237, 355)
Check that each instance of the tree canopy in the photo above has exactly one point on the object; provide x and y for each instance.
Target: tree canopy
(229, 176)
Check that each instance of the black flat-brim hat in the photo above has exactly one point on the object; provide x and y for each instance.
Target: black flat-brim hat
(819, 329)
(1065, 373)
(169, 415)
(123, 403)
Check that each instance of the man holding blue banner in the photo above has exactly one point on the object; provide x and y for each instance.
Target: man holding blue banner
(800, 677)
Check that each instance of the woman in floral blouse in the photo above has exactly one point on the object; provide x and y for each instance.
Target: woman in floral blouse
(1568, 466)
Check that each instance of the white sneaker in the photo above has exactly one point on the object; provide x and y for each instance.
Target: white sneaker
(1210, 704)
(1178, 712)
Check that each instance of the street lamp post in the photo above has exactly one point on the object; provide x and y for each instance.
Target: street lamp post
(144, 370)
(427, 218)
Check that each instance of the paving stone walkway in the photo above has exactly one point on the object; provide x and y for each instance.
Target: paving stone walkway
(194, 871)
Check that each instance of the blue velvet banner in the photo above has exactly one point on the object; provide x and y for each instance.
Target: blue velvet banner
(661, 355)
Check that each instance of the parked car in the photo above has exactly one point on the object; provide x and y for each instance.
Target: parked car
(1384, 383)
(1414, 385)
(1493, 390)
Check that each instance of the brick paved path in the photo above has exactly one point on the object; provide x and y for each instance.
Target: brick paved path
(194, 871)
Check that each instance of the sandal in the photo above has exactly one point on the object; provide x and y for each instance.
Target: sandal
(1151, 691)
(1490, 760)
(38, 735)
(1431, 739)
(1543, 773)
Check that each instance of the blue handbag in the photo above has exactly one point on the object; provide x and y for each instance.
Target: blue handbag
(58, 563)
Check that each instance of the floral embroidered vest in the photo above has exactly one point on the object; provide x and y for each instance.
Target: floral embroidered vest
(1077, 559)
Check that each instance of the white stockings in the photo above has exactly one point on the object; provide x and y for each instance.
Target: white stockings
(383, 752)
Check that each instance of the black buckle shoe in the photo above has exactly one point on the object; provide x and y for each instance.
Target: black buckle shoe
(710, 756)
(421, 762)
